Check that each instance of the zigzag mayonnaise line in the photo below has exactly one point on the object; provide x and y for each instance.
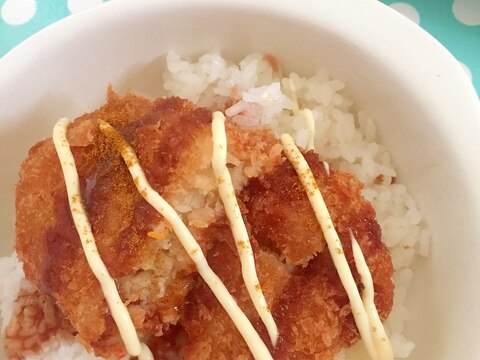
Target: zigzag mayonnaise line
(360, 314)
(117, 307)
(256, 345)
(239, 231)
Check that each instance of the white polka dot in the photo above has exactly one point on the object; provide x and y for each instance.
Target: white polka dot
(467, 11)
(18, 12)
(76, 6)
(467, 70)
(408, 10)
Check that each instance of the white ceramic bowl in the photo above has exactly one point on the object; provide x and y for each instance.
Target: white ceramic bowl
(425, 107)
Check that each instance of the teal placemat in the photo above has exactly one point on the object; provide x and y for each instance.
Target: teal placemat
(455, 23)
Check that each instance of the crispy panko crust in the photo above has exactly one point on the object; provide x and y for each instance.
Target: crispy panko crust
(172, 308)
(309, 303)
(47, 241)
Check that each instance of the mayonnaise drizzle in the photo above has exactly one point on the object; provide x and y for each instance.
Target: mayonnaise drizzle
(239, 230)
(309, 122)
(293, 93)
(363, 308)
(380, 338)
(333, 242)
(256, 345)
(117, 308)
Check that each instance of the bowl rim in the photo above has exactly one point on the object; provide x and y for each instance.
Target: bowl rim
(332, 14)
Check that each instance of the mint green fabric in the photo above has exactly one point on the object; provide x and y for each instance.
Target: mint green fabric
(47, 13)
(438, 18)
(455, 23)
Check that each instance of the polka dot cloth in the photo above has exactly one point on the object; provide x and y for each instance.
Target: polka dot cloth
(455, 23)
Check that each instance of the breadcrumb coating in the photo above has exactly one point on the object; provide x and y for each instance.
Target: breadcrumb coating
(172, 308)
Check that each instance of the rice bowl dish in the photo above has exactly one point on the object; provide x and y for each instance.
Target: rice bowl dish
(425, 109)
(255, 94)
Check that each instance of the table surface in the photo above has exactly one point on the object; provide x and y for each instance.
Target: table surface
(455, 23)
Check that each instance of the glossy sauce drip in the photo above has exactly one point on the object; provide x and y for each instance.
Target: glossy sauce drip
(117, 308)
(239, 230)
(256, 345)
(360, 314)
(380, 338)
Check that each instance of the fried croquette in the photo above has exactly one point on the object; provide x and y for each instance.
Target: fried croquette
(172, 308)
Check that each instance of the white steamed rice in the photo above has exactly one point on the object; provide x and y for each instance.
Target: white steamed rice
(345, 137)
